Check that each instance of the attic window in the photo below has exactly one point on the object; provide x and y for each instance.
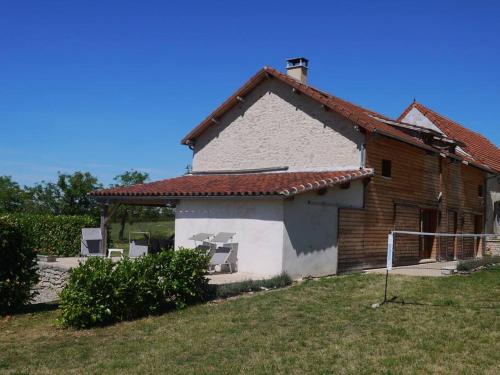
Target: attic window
(386, 168)
(480, 191)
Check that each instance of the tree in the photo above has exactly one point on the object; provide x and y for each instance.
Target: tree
(43, 198)
(73, 190)
(12, 196)
(126, 213)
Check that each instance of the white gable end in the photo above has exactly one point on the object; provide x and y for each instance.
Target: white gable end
(415, 117)
(276, 127)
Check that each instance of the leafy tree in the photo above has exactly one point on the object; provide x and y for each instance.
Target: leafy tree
(12, 196)
(43, 198)
(127, 213)
(74, 189)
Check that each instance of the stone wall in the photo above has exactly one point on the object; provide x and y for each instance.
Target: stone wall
(53, 278)
(275, 127)
(493, 247)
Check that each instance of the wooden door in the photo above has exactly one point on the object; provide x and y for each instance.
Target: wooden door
(406, 247)
(429, 223)
(450, 252)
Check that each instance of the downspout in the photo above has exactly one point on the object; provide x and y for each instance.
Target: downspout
(363, 156)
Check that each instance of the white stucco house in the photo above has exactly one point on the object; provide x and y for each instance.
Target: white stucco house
(274, 164)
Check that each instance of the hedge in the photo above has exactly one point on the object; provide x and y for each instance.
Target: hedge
(18, 271)
(472, 264)
(50, 234)
(100, 292)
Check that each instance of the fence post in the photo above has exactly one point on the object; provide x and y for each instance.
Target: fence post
(390, 250)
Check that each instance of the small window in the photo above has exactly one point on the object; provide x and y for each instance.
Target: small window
(480, 191)
(386, 168)
(497, 212)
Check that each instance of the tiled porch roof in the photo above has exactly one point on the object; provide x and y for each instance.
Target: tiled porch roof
(248, 184)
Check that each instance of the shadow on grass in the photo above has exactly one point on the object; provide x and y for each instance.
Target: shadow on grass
(446, 304)
(38, 307)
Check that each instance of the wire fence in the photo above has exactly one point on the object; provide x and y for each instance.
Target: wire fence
(434, 255)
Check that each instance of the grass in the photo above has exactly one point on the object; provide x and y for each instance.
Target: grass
(318, 326)
(163, 229)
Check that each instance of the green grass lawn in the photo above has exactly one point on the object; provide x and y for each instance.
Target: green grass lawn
(318, 326)
(163, 229)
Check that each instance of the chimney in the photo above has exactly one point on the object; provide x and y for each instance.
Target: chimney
(297, 69)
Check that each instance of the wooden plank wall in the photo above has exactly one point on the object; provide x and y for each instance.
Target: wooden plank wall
(417, 179)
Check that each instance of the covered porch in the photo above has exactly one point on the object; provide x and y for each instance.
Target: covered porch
(278, 221)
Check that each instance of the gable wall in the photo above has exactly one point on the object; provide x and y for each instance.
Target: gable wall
(395, 203)
(415, 117)
(276, 127)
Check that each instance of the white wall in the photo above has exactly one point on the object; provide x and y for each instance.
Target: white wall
(493, 195)
(311, 225)
(415, 117)
(258, 225)
(275, 127)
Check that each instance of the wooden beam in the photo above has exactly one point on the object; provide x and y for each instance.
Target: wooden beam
(104, 232)
(106, 214)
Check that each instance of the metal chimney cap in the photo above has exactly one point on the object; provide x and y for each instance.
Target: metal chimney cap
(297, 62)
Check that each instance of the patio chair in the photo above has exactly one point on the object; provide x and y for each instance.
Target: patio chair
(225, 256)
(208, 247)
(200, 237)
(138, 247)
(223, 237)
(90, 244)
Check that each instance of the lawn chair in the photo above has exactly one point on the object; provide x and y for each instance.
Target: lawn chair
(200, 237)
(208, 247)
(138, 248)
(225, 256)
(90, 244)
(223, 237)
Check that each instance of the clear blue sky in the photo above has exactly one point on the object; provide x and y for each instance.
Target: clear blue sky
(106, 86)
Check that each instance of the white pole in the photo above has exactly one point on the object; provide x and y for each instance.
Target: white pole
(390, 250)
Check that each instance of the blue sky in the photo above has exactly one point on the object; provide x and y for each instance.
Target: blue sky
(107, 86)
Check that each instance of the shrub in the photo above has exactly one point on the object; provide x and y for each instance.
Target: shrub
(99, 292)
(472, 264)
(18, 270)
(50, 234)
(233, 289)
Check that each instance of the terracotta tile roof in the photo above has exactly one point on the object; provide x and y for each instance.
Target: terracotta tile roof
(358, 115)
(251, 184)
(476, 145)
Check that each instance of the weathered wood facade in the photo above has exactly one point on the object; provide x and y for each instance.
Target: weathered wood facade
(426, 192)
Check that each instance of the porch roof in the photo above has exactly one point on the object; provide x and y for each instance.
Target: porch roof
(248, 184)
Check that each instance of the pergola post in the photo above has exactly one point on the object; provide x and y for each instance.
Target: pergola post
(106, 214)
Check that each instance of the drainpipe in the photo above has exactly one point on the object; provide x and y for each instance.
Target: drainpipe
(363, 156)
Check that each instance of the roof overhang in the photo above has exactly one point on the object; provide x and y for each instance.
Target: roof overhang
(274, 185)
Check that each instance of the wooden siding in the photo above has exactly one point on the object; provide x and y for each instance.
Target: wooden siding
(420, 180)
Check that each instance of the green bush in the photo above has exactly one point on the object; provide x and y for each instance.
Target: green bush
(50, 234)
(234, 289)
(472, 264)
(99, 292)
(18, 271)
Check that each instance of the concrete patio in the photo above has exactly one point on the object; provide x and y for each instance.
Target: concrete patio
(66, 264)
